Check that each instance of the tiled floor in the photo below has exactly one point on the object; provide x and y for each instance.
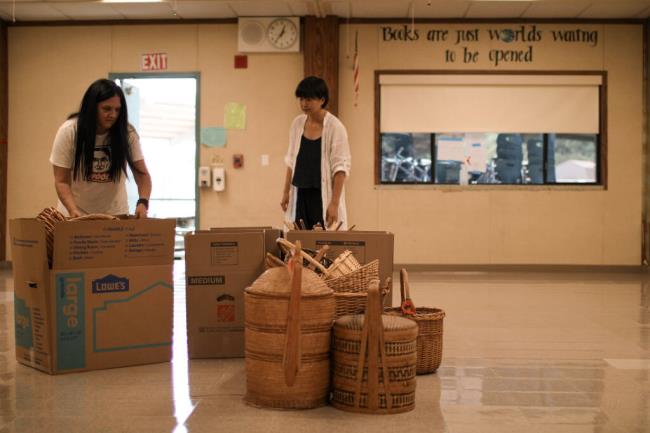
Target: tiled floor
(523, 352)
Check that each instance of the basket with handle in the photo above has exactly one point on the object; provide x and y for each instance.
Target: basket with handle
(288, 320)
(429, 322)
(357, 280)
(374, 358)
(355, 302)
(344, 264)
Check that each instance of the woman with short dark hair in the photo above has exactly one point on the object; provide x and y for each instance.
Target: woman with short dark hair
(318, 161)
(91, 152)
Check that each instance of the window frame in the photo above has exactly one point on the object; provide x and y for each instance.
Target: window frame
(601, 141)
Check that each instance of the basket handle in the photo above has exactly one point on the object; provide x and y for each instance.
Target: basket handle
(319, 256)
(272, 261)
(373, 337)
(292, 355)
(407, 306)
(289, 246)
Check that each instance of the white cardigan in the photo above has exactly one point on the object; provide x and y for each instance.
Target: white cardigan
(335, 157)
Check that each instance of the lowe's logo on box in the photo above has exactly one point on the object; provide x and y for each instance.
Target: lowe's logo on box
(110, 283)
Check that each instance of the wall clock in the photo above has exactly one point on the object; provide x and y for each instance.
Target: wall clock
(268, 34)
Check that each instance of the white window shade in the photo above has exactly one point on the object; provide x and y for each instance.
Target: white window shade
(490, 103)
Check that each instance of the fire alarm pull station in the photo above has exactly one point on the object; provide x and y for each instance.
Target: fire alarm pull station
(238, 160)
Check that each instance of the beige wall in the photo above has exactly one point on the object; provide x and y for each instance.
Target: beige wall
(504, 225)
(50, 67)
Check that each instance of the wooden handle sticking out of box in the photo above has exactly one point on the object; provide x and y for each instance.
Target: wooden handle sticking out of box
(292, 355)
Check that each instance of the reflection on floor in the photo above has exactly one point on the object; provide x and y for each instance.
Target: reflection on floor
(524, 352)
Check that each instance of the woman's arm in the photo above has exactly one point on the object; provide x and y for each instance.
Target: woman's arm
(62, 184)
(143, 180)
(332, 213)
(285, 192)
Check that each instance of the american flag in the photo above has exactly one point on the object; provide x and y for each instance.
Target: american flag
(356, 68)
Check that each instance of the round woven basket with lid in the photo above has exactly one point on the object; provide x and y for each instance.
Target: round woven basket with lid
(366, 350)
(289, 313)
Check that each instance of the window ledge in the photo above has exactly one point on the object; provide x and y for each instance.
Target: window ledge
(491, 187)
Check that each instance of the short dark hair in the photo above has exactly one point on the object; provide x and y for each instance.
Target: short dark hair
(313, 87)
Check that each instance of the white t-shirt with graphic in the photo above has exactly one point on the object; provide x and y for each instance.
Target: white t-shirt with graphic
(99, 194)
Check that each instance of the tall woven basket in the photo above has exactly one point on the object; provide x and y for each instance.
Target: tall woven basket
(288, 314)
(429, 322)
(374, 359)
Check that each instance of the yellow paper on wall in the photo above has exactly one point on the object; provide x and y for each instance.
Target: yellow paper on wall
(235, 116)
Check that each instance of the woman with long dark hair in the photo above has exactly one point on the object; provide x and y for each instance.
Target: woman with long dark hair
(91, 152)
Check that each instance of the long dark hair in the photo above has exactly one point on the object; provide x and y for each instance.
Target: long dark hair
(118, 135)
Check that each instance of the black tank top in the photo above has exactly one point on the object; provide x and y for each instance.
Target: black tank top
(307, 171)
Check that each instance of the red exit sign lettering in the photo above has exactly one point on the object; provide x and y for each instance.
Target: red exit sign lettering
(154, 62)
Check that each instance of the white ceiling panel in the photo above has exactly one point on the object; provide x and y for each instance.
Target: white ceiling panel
(614, 9)
(57, 10)
(557, 9)
(441, 9)
(644, 13)
(497, 9)
(88, 11)
(140, 11)
(299, 8)
(5, 13)
(381, 9)
(269, 8)
(204, 9)
(36, 12)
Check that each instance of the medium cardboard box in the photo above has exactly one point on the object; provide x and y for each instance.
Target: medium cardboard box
(107, 300)
(365, 245)
(270, 236)
(219, 265)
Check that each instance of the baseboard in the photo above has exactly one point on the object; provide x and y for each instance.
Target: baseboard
(640, 269)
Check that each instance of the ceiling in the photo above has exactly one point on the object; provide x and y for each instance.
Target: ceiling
(94, 10)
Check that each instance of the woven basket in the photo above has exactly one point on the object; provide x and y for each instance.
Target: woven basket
(344, 264)
(348, 303)
(429, 322)
(356, 281)
(50, 217)
(369, 349)
(288, 319)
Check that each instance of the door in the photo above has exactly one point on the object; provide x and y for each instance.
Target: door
(163, 108)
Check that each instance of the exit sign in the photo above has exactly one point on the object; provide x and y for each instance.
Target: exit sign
(154, 62)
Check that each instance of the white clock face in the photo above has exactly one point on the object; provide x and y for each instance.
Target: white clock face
(282, 33)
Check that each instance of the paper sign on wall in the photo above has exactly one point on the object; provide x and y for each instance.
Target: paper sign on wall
(235, 116)
(154, 62)
(213, 136)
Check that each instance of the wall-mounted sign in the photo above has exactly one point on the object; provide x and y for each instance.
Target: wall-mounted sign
(154, 62)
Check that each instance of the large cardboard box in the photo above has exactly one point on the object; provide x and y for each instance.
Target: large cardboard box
(107, 300)
(219, 265)
(365, 245)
